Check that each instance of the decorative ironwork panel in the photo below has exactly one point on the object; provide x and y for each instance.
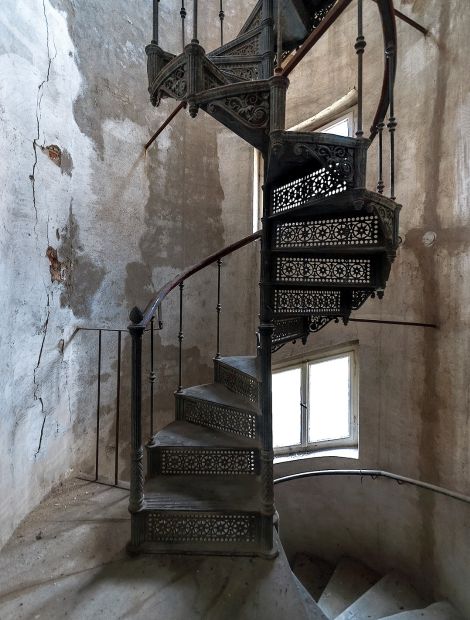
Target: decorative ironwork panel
(344, 231)
(253, 108)
(178, 461)
(359, 297)
(176, 83)
(245, 71)
(211, 81)
(238, 382)
(319, 322)
(292, 301)
(247, 48)
(321, 183)
(205, 527)
(287, 327)
(220, 418)
(327, 270)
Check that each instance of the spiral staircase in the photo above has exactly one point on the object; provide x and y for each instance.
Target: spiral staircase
(327, 245)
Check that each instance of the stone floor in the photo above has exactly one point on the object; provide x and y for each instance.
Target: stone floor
(68, 560)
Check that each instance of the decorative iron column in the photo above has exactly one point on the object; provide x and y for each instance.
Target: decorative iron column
(136, 497)
(266, 329)
(267, 40)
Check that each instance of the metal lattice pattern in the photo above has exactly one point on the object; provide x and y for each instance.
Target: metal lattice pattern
(327, 270)
(324, 182)
(238, 382)
(306, 301)
(358, 298)
(206, 527)
(220, 418)
(177, 461)
(344, 231)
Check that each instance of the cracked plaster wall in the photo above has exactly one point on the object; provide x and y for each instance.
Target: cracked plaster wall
(96, 227)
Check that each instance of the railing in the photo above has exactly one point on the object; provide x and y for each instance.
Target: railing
(374, 474)
(151, 322)
(145, 320)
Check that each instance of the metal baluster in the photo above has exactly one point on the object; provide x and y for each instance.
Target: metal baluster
(98, 399)
(151, 376)
(380, 182)
(218, 307)
(392, 122)
(180, 339)
(279, 36)
(195, 39)
(359, 47)
(183, 17)
(155, 21)
(118, 399)
(221, 17)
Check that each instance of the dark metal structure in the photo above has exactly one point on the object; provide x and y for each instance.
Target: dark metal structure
(327, 245)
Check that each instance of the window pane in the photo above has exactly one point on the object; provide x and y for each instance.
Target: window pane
(341, 128)
(329, 399)
(286, 407)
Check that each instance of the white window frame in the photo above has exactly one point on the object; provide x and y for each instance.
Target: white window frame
(352, 441)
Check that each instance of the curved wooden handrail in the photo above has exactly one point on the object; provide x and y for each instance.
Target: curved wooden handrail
(157, 300)
(387, 17)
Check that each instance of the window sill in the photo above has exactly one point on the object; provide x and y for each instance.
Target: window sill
(345, 453)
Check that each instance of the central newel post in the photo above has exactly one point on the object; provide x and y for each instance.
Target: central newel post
(136, 496)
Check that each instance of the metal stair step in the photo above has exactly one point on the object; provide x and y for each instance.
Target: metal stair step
(185, 448)
(239, 374)
(200, 514)
(202, 493)
(441, 610)
(215, 406)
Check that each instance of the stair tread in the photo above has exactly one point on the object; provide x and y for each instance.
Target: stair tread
(202, 493)
(248, 364)
(350, 580)
(181, 434)
(391, 595)
(218, 394)
(441, 610)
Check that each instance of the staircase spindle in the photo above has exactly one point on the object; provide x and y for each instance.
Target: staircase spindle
(151, 377)
(380, 182)
(180, 339)
(98, 406)
(195, 39)
(392, 122)
(183, 17)
(218, 308)
(221, 17)
(118, 400)
(155, 21)
(279, 36)
(359, 47)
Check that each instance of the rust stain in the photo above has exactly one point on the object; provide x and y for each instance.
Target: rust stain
(55, 266)
(53, 152)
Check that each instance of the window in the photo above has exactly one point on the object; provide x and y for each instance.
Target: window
(315, 403)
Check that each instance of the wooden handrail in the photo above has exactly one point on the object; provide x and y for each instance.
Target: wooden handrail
(165, 123)
(157, 300)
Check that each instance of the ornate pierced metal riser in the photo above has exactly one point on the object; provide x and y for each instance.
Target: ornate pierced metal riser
(237, 382)
(216, 416)
(351, 272)
(200, 533)
(202, 461)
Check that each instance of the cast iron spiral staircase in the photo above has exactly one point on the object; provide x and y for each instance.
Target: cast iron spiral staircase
(327, 245)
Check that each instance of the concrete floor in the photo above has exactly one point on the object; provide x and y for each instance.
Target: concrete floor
(68, 560)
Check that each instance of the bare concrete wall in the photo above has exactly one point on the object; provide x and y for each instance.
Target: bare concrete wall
(413, 381)
(94, 226)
